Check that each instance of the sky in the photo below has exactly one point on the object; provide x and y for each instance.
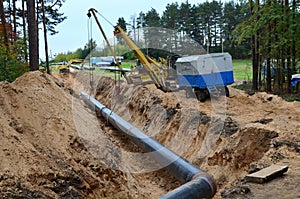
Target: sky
(73, 32)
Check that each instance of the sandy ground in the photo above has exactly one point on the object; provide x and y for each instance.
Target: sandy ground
(52, 146)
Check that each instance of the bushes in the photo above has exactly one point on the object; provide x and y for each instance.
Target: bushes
(12, 64)
(14, 69)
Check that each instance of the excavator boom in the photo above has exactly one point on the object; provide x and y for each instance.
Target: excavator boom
(65, 68)
(93, 12)
(146, 61)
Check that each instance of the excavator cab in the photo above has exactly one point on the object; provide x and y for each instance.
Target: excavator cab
(66, 68)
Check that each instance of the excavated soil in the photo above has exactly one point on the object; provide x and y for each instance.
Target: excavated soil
(53, 146)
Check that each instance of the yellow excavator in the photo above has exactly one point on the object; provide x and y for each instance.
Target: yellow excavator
(66, 68)
(157, 72)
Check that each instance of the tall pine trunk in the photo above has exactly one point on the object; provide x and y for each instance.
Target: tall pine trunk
(254, 53)
(32, 36)
(14, 21)
(45, 37)
(294, 61)
(288, 50)
(269, 72)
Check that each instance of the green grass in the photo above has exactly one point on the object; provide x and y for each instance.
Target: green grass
(128, 64)
(97, 71)
(292, 99)
(242, 69)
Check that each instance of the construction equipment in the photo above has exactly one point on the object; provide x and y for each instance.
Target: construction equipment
(66, 68)
(204, 75)
(295, 79)
(93, 12)
(154, 70)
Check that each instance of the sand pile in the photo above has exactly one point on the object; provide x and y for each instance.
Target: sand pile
(52, 146)
(41, 154)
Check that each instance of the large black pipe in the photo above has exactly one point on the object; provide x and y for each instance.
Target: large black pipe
(198, 184)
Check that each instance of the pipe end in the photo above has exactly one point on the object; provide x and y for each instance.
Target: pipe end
(208, 179)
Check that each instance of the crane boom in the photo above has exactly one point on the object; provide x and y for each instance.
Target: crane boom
(145, 61)
(92, 11)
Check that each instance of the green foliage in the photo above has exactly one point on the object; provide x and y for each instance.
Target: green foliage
(152, 18)
(53, 16)
(293, 99)
(88, 48)
(122, 23)
(16, 68)
(211, 24)
(65, 57)
(274, 29)
(140, 21)
(12, 64)
(13, 61)
(170, 16)
(78, 54)
(154, 53)
(129, 55)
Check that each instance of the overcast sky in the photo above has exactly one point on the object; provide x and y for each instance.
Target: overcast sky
(73, 32)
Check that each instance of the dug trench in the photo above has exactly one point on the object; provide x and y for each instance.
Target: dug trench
(52, 146)
(182, 125)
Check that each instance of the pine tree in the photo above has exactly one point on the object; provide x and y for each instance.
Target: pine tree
(32, 36)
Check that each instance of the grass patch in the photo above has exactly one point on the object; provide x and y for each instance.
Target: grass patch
(292, 99)
(128, 64)
(242, 69)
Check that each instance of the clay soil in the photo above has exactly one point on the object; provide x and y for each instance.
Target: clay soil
(53, 146)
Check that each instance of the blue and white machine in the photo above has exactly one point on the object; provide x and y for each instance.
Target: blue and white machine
(295, 79)
(105, 61)
(205, 74)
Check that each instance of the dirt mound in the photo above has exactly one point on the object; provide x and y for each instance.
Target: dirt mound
(53, 147)
(42, 155)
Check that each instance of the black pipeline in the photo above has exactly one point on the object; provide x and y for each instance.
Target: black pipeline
(198, 184)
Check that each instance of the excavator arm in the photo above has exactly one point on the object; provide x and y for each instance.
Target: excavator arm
(145, 60)
(93, 12)
(65, 68)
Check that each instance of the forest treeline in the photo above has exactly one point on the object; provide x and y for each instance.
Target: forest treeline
(265, 31)
(19, 35)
